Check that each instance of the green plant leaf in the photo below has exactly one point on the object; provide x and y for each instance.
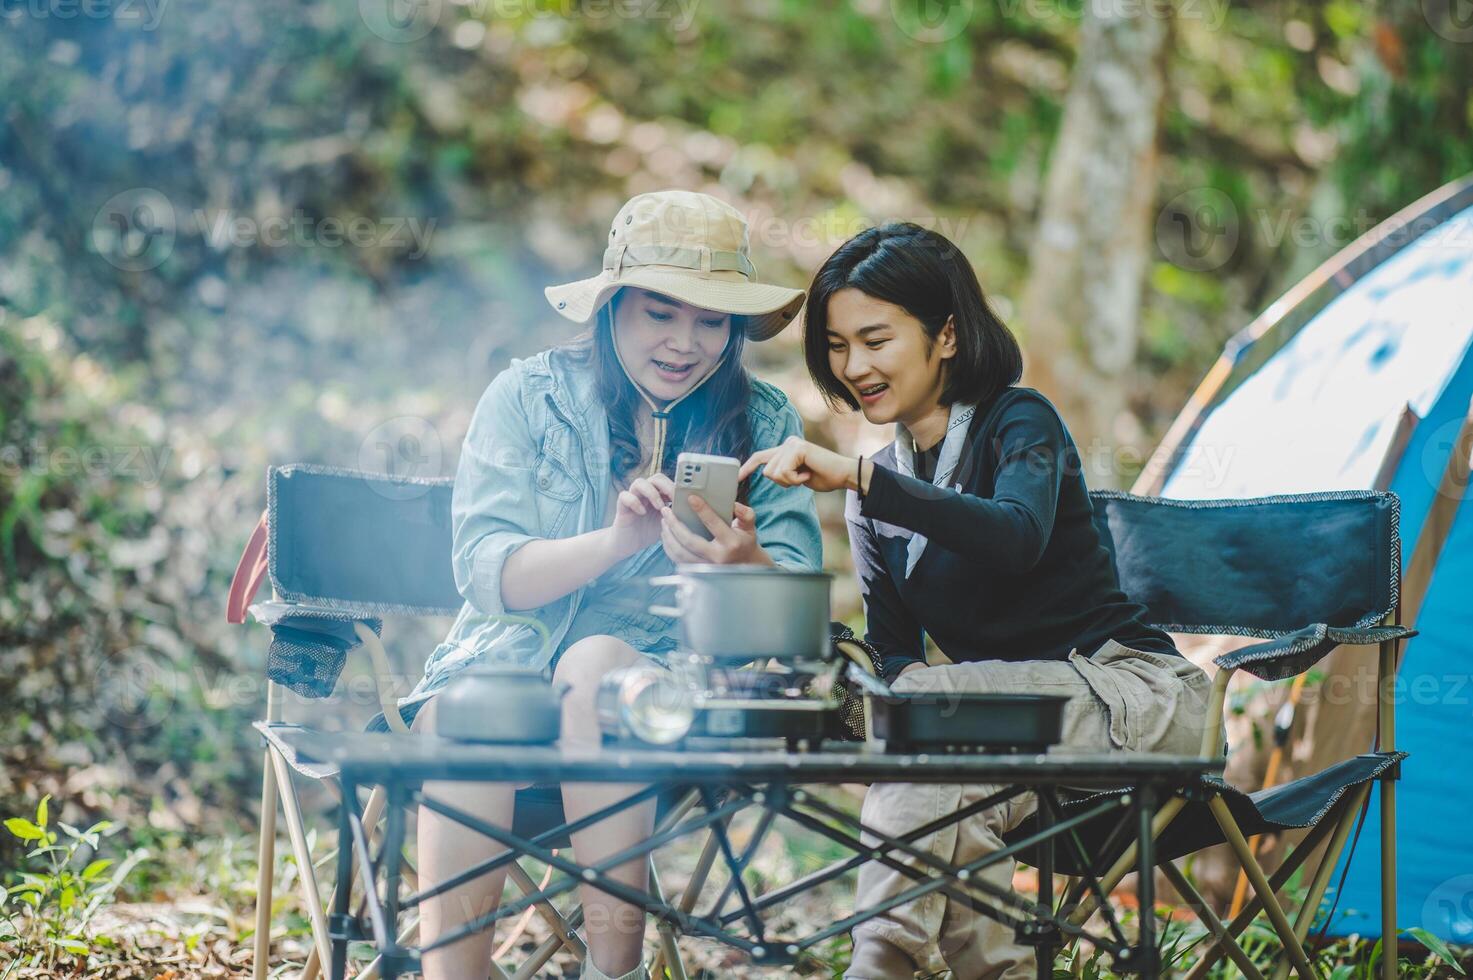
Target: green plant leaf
(71, 945)
(1437, 946)
(23, 828)
(96, 868)
(41, 810)
(69, 830)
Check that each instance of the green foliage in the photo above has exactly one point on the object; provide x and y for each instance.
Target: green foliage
(46, 910)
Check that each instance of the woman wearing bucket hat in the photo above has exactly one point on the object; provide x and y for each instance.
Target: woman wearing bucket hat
(560, 512)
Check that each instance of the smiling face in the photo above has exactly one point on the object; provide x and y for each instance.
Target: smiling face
(883, 356)
(667, 346)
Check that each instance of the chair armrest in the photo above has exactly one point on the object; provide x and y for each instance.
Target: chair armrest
(249, 573)
(1370, 635)
(1294, 653)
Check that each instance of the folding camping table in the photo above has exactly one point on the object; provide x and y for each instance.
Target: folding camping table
(771, 782)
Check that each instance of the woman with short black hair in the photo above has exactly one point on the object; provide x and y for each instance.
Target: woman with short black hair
(974, 527)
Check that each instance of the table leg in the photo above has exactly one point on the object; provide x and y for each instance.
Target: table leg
(343, 888)
(392, 860)
(1145, 803)
(1043, 952)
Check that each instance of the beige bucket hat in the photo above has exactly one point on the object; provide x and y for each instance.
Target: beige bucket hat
(688, 246)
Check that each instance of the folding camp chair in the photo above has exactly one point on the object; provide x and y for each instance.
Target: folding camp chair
(1305, 573)
(343, 549)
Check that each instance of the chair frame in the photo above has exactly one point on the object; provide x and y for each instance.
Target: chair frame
(278, 790)
(1335, 824)
(278, 787)
(1265, 888)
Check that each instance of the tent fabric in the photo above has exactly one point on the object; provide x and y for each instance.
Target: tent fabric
(1336, 391)
(1313, 400)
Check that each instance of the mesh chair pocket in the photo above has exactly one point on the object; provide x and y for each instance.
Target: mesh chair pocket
(308, 646)
(851, 701)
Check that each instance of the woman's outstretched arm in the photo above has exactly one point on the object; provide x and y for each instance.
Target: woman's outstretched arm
(1007, 531)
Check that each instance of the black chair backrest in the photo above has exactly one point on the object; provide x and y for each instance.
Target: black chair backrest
(1261, 566)
(376, 545)
(362, 543)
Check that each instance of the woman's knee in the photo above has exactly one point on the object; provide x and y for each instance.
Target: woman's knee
(584, 664)
(424, 721)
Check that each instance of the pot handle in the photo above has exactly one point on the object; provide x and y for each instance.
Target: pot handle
(664, 580)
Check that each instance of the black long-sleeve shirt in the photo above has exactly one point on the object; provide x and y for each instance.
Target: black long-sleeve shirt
(1013, 568)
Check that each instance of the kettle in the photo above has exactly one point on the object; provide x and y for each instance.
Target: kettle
(510, 705)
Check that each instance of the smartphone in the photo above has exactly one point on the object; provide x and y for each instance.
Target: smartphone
(714, 479)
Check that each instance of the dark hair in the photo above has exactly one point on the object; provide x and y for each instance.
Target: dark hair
(926, 275)
(712, 420)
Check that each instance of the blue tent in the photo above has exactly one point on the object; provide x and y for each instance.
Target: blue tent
(1359, 377)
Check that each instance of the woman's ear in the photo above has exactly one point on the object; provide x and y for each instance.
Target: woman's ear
(946, 340)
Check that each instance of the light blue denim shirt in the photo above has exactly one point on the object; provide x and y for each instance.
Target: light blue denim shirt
(535, 464)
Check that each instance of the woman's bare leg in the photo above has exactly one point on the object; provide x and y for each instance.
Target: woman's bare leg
(447, 848)
(615, 929)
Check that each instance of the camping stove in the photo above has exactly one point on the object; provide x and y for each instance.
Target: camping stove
(720, 706)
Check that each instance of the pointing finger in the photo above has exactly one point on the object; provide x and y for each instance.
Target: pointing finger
(754, 461)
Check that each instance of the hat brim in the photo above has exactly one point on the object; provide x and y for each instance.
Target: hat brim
(768, 308)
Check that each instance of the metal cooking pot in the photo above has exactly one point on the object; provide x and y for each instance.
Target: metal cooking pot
(743, 612)
(502, 704)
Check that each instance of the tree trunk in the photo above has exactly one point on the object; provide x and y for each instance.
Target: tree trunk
(1091, 251)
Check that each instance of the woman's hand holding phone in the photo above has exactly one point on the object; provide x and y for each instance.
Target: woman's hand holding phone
(637, 518)
(796, 462)
(734, 544)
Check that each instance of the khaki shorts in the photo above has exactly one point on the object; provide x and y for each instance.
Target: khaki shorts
(1121, 699)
